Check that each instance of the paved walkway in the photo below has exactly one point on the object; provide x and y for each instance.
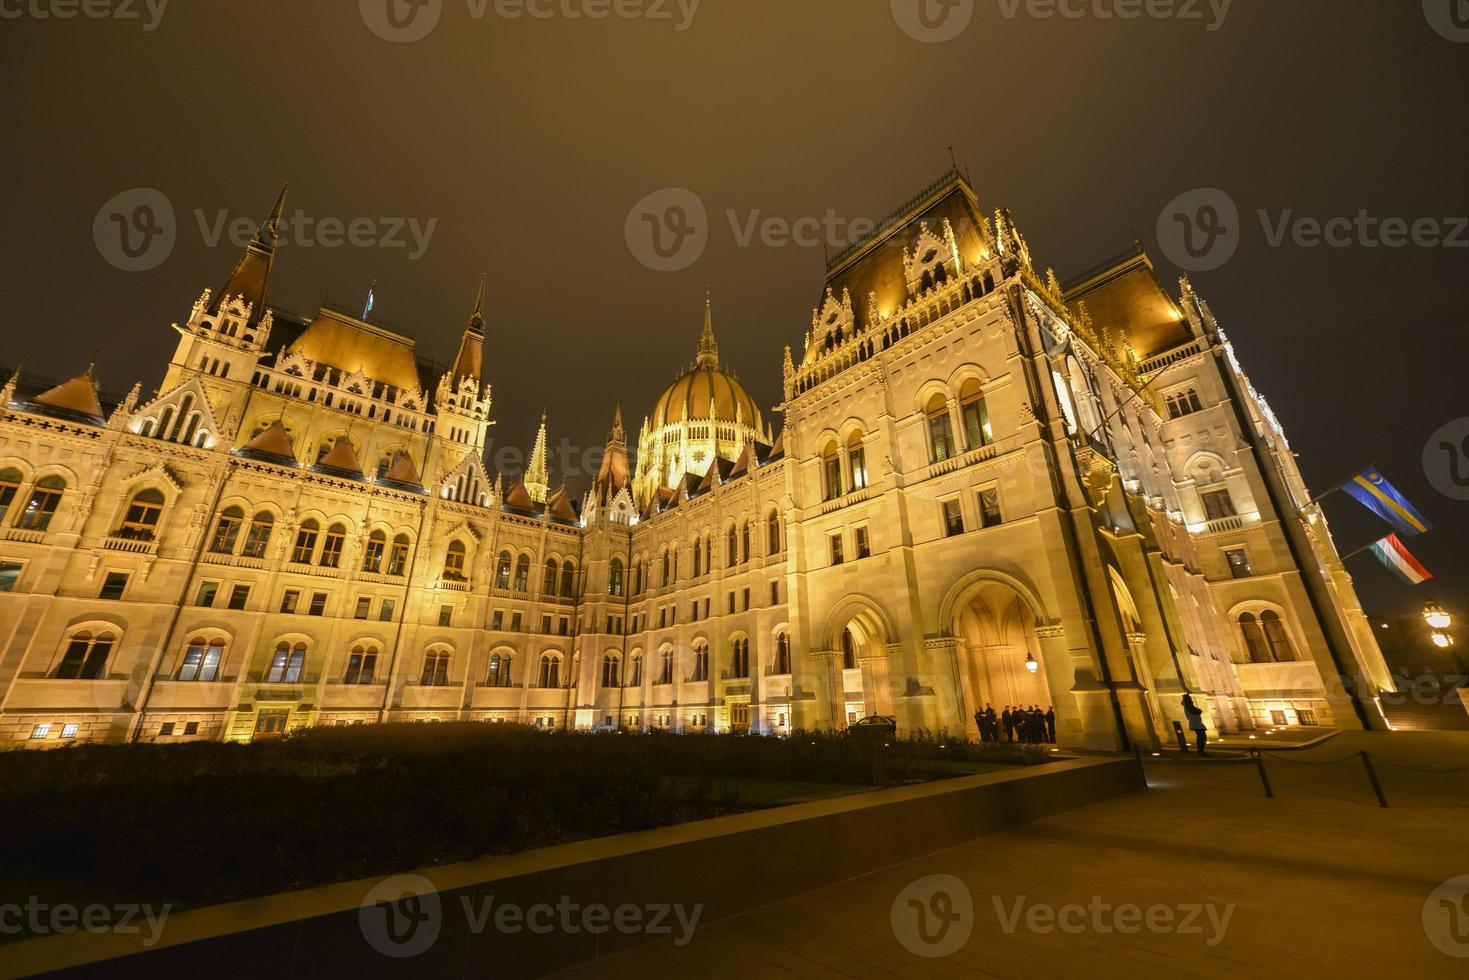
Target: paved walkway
(1319, 881)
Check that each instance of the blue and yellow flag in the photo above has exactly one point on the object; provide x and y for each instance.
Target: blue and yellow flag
(1372, 491)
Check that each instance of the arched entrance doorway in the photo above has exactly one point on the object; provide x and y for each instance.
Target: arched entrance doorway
(858, 678)
(998, 655)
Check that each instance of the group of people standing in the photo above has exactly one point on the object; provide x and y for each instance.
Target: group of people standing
(1029, 725)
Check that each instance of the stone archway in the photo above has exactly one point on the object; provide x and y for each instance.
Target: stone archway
(859, 634)
(998, 652)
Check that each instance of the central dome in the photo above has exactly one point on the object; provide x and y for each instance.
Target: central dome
(705, 392)
(706, 386)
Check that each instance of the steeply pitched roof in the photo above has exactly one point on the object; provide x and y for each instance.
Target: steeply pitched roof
(77, 397)
(273, 442)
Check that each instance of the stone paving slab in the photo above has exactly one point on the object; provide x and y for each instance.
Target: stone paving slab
(1319, 881)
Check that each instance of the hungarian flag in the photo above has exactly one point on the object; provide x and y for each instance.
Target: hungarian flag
(1390, 552)
(1371, 489)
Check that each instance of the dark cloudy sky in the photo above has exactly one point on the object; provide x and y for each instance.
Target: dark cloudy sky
(527, 141)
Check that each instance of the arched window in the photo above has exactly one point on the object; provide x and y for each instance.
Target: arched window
(201, 660)
(666, 579)
(1255, 647)
(611, 671)
(731, 547)
(568, 580)
(9, 484)
(550, 670)
(331, 546)
(701, 662)
(772, 533)
(831, 472)
(783, 653)
(227, 531)
(635, 672)
(665, 672)
(1276, 637)
(435, 669)
(258, 537)
(548, 585)
(372, 555)
(856, 461)
(745, 542)
(614, 578)
(849, 650)
(287, 663)
(398, 557)
(740, 660)
(361, 665)
(85, 658)
(454, 562)
(305, 542)
(522, 574)
(45, 498)
(499, 675)
(940, 429)
(141, 520)
(698, 557)
(976, 415)
(502, 571)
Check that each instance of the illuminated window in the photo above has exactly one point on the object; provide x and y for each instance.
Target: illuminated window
(201, 660)
(287, 663)
(258, 536)
(361, 665)
(398, 557)
(435, 669)
(226, 531)
(940, 429)
(305, 542)
(140, 522)
(372, 555)
(45, 498)
(454, 562)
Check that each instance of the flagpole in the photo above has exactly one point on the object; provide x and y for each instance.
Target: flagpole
(1322, 496)
(1366, 547)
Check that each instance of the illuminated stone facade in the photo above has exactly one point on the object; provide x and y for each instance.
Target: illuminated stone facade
(988, 488)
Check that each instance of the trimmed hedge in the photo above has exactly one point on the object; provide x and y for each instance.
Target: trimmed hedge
(207, 822)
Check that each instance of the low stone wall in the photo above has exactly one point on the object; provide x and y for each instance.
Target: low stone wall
(532, 913)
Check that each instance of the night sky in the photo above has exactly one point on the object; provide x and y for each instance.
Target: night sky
(527, 141)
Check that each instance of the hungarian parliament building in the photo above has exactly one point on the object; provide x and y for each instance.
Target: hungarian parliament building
(988, 486)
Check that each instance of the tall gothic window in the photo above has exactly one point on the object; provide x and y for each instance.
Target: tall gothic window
(226, 531)
(305, 545)
(502, 571)
(9, 485)
(201, 660)
(548, 584)
(783, 653)
(831, 472)
(849, 650)
(85, 658)
(740, 660)
(614, 578)
(331, 546)
(435, 669)
(857, 462)
(372, 555)
(499, 675)
(976, 415)
(522, 574)
(454, 562)
(772, 533)
(940, 429)
(568, 580)
(258, 537)
(550, 670)
(611, 671)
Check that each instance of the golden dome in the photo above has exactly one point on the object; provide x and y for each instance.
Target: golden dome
(704, 384)
(688, 399)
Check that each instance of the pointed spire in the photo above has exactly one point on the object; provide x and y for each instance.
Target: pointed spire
(614, 473)
(470, 362)
(537, 477)
(477, 318)
(270, 231)
(708, 354)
